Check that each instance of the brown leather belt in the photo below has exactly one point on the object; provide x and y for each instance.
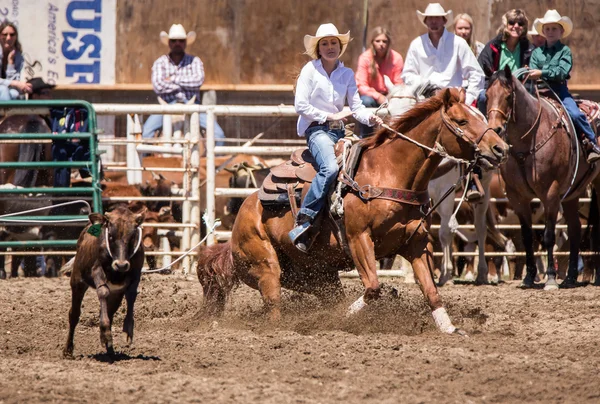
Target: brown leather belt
(331, 125)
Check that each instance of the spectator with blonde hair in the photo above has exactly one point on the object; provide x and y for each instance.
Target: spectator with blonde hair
(464, 27)
(376, 62)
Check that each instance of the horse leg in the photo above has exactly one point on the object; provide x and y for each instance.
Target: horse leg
(551, 215)
(363, 255)
(571, 214)
(423, 267)
(78, 290)
(447, 270)
(480, 212)
(523, 212)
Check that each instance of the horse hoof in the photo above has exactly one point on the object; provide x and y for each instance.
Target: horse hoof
(526, 285)
(552, 286)
(461, 332)
(469, 277)
(568, 284)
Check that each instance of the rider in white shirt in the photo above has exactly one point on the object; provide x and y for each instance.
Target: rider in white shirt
(444, 59)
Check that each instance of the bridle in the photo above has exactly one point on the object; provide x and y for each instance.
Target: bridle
(513, 115)
(459, 133)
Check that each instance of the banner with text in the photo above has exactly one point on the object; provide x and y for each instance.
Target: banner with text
(65, 41)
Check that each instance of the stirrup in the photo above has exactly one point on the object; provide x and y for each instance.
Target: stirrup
(298, 231)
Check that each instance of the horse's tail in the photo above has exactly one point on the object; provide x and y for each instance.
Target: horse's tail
(217, 276)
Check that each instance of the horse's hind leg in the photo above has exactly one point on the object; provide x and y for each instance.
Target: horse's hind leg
(571, 214)
(264, 274)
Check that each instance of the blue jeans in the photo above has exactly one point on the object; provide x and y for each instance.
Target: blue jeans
(579, 120)
(369, 102)
(66, 150)
(7, 93)
(482, 103)
(155, 122)
(321, 143)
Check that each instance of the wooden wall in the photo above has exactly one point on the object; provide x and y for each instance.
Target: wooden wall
(260, 41)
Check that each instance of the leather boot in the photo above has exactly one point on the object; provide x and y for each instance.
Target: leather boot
(473, 193)
(593, 152)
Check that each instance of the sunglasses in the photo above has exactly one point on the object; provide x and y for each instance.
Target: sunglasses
(519, 23)
(176, 40)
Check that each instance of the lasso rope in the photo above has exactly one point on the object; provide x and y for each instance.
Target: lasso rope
(216, 224)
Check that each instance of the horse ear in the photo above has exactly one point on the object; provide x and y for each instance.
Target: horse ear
(508, 73)
(447, 97)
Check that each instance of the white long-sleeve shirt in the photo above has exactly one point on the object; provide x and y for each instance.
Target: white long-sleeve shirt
(445, 65)
(318, 95)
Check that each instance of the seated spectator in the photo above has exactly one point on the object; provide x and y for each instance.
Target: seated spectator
(464, 28)
(11, 86)
(177, 77)
(64, 120)
(378, 61)
(509, 48)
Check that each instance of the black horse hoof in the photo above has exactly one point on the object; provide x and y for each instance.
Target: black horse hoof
(569, 283)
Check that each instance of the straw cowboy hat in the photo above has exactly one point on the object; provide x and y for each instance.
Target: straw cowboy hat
(533, 31)
(435, 10)
(325, 30)
(552, 17)
(177, 32)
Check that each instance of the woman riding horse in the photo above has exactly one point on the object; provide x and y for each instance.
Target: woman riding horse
(385, 215)
(323, 86)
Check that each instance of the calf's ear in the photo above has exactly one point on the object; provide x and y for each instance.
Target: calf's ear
(97, 218)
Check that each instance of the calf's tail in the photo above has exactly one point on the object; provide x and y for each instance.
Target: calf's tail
(217, 276)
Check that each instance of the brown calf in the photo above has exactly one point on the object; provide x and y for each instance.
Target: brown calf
(109, 258)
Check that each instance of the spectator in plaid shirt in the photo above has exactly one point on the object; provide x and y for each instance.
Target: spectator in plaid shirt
(177, 78)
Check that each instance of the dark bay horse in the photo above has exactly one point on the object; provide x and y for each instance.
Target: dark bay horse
(261, 254)
(546, 162)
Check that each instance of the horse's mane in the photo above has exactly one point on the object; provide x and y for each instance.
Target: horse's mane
(500, 75)
(410, 119)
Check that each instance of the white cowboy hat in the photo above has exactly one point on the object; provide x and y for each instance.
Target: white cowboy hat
(553, 17)
(177, 32)
(435, 10)
(325, 30)
(533, 31)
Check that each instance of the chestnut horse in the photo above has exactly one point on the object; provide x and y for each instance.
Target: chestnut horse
(546, 162)
(261, 254)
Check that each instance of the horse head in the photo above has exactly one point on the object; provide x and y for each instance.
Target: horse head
(465, 132)
(501, 99)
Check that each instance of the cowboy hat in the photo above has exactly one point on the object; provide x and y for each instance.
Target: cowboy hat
(553, 17)
(435, 10)
(325, 30)
(533, 31)
(177, 32)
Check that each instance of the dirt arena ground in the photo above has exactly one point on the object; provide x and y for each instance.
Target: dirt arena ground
(524, 346)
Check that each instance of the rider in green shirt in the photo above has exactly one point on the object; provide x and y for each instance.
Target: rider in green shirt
(553, 62)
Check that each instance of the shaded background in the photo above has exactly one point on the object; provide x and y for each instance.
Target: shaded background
(260, 41)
